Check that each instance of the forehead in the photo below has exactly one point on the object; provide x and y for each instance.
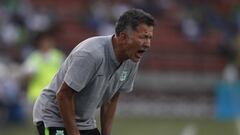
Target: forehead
(143, 28)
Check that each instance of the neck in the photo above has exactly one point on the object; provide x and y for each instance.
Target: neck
(118, 49)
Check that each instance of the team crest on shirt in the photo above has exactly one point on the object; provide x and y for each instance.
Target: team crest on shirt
(123, 76)
(59, 132)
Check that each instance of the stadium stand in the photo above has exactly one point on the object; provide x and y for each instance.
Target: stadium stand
(183, 62)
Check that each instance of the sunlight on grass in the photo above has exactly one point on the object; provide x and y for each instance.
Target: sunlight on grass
(143, 126)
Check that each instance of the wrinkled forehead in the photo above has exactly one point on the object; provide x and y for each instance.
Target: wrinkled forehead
(144, 29)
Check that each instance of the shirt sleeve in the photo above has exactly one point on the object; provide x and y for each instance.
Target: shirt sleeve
(81, 69)
(128, 85)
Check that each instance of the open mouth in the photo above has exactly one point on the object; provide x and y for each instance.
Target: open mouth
(140, 53)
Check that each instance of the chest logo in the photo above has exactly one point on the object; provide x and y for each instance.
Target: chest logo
(123, 76)
(59, 132)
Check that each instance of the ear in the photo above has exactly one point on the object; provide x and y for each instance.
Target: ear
(123, 36)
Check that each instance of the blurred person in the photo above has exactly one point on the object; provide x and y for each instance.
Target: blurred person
(100, 15)
(39, 21)
(93, 76)
(191, 28)
(151, 6)
(235, 50)
(105, 28)
(11, 109)
(41, 65)
(116, 8)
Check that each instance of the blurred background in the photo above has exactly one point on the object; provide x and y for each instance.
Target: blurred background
(188, 83)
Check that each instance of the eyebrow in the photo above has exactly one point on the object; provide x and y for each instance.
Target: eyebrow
(146, 35)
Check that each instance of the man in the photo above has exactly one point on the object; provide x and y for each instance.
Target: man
(92, 77)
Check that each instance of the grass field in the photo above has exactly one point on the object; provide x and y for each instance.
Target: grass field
(148, 126)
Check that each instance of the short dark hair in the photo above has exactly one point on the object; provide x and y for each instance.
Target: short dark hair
(133, 18)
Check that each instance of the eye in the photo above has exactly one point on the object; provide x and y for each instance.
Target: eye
(148, 37)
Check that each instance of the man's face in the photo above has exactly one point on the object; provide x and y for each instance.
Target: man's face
(138, 42)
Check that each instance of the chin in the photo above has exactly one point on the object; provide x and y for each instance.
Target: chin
(135, 60)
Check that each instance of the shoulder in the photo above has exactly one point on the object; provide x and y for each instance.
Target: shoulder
(34, 56)
(94, 43)
(94, 47)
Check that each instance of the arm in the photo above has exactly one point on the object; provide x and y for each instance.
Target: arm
(107, 114)
(65, 97)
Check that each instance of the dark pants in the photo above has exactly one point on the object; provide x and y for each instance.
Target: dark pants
(61, 131)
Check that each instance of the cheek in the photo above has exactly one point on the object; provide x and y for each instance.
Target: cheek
(139, 42)
(134, 45)
(143, 41)
(131, 49)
